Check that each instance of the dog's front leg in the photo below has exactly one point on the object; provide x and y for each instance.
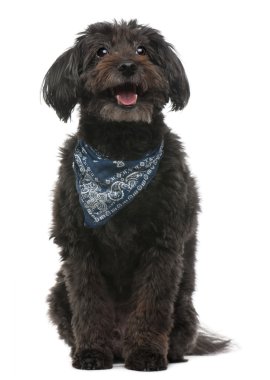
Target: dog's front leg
(92, 313)
(149, 325)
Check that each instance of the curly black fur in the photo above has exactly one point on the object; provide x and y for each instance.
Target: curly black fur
(124, 291)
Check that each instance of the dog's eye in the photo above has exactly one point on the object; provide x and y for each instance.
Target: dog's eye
(141, 50)
(102, 51)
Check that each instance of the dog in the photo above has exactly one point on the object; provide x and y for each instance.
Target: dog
(125, 206)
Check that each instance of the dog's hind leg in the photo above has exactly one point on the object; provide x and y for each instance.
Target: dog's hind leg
(59, 309)
(184, 331)
(187, 337)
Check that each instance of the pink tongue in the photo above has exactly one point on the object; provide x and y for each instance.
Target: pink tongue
(126, 98)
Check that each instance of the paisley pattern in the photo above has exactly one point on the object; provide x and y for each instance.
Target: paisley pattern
(105, 186)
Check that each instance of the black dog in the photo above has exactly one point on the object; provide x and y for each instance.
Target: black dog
(125, 205)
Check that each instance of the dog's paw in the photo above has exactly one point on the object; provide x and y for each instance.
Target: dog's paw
(176, 354)
(175, 357)
(91, 359)
(144, 359)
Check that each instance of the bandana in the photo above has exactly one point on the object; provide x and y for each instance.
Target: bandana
(105, 186)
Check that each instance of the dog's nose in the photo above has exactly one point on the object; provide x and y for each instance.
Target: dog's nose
(127, 68)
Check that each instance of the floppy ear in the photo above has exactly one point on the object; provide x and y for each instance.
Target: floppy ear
(179, 88)
(60, 84)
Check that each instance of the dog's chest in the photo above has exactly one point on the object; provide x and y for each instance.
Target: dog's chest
(119, 252)
(121, 238)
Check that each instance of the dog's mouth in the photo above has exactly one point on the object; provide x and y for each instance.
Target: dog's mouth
(126, 95)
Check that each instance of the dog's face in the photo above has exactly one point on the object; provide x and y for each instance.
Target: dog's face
(117, 72)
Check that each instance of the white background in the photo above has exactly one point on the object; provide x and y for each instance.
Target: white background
(224, 46)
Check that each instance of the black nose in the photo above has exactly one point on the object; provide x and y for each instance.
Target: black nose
(127, 68)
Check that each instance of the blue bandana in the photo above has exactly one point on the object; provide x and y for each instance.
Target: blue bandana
(105, 186)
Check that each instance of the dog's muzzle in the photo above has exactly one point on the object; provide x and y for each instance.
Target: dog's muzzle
(127, 95)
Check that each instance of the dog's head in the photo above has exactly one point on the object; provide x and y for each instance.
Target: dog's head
(119, 72)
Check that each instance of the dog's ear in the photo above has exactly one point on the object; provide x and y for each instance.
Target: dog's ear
(60, 85)
(178, 83)
(177, 80)
(174, 71)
